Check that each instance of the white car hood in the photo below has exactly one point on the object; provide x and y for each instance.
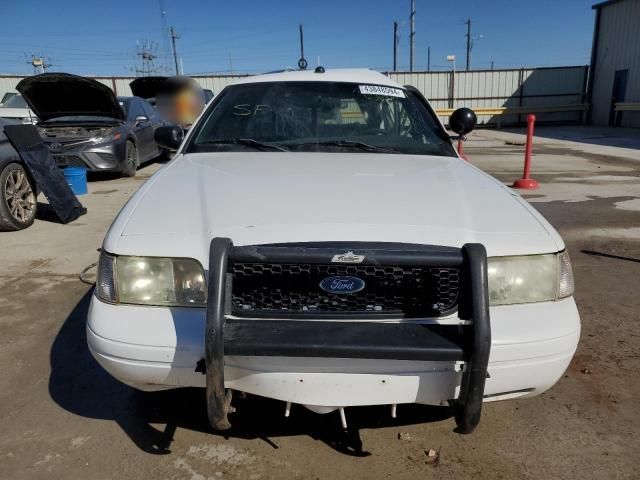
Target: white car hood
(272, 197)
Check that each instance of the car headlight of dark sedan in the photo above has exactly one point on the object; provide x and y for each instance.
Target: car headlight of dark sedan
(109, 138)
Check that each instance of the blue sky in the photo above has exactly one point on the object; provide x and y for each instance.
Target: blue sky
(99, 37)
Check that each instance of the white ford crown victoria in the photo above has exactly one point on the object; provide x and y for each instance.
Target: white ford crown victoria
(317, 240)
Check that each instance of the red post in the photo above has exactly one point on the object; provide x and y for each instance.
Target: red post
(460, 151)
(526, 182)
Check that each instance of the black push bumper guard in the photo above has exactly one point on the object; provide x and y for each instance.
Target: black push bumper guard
(340, 339)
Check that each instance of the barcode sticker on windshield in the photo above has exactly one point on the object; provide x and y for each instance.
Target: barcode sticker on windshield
(380, 90)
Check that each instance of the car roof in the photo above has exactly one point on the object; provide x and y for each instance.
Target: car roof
(348, 75)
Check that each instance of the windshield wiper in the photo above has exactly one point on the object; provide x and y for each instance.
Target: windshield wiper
(246, 141)
(350, 144)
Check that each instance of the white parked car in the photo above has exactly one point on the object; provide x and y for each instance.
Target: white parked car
(317, 240)
(16, 108)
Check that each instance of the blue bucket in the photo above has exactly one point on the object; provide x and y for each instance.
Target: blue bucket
(77, 179)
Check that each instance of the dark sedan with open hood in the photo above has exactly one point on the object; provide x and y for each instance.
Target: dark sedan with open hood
(84, 124)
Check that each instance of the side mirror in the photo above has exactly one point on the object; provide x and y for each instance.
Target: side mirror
(169, 136)
(141, 119)
(462, 121)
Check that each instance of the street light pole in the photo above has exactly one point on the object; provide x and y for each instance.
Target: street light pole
(452, 58)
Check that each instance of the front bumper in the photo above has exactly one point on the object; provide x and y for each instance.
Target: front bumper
(95, 158)
(154, 348)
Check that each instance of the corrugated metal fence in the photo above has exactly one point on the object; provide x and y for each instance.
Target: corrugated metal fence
(524, 87)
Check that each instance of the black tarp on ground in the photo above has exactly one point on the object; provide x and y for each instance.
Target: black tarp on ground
(50, 179)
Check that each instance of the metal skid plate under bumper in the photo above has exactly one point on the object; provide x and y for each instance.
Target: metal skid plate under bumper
(306, 337)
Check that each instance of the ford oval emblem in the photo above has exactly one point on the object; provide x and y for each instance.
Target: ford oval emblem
(342, 285)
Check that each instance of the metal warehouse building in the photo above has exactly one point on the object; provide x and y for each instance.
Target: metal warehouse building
(614, 87)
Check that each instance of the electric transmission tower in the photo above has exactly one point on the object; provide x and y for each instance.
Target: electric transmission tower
(147, 52)
(39, 63)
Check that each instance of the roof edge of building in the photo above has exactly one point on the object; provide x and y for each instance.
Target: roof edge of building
(600, 5)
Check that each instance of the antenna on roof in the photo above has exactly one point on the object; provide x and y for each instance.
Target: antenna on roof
(302, 63)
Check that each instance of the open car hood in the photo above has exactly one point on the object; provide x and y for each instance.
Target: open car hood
(146, 87)
(52, 95)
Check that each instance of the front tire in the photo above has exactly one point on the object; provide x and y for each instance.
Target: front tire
(130, 160)
(17, 198)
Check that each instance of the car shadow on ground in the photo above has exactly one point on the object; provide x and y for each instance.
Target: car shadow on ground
(79, 385)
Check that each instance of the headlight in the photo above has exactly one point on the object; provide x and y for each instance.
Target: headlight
(529, 279)
(151, 281)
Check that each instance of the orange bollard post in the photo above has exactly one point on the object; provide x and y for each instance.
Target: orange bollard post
(526, 182)
(460, 151)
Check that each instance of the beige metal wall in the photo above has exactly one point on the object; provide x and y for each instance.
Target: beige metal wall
(618, 48)
(475, 89)
(524, 87)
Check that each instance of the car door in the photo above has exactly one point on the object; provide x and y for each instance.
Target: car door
(143, 129)
(156, 121)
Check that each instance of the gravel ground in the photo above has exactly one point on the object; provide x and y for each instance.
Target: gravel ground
(62, 416)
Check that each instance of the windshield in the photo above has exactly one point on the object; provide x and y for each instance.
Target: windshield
(15, 102)
(319, 116)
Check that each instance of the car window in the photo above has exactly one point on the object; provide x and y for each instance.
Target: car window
(320, 115)
(134, 109)
(149, 111)
(17, 101)
(7, 96)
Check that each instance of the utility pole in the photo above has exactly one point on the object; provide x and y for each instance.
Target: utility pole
(302, 63)
(412, 15)
(468, 35)
(491, 64)
(395, 46)
(428, 59)
(164, 34)
(174, 36)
